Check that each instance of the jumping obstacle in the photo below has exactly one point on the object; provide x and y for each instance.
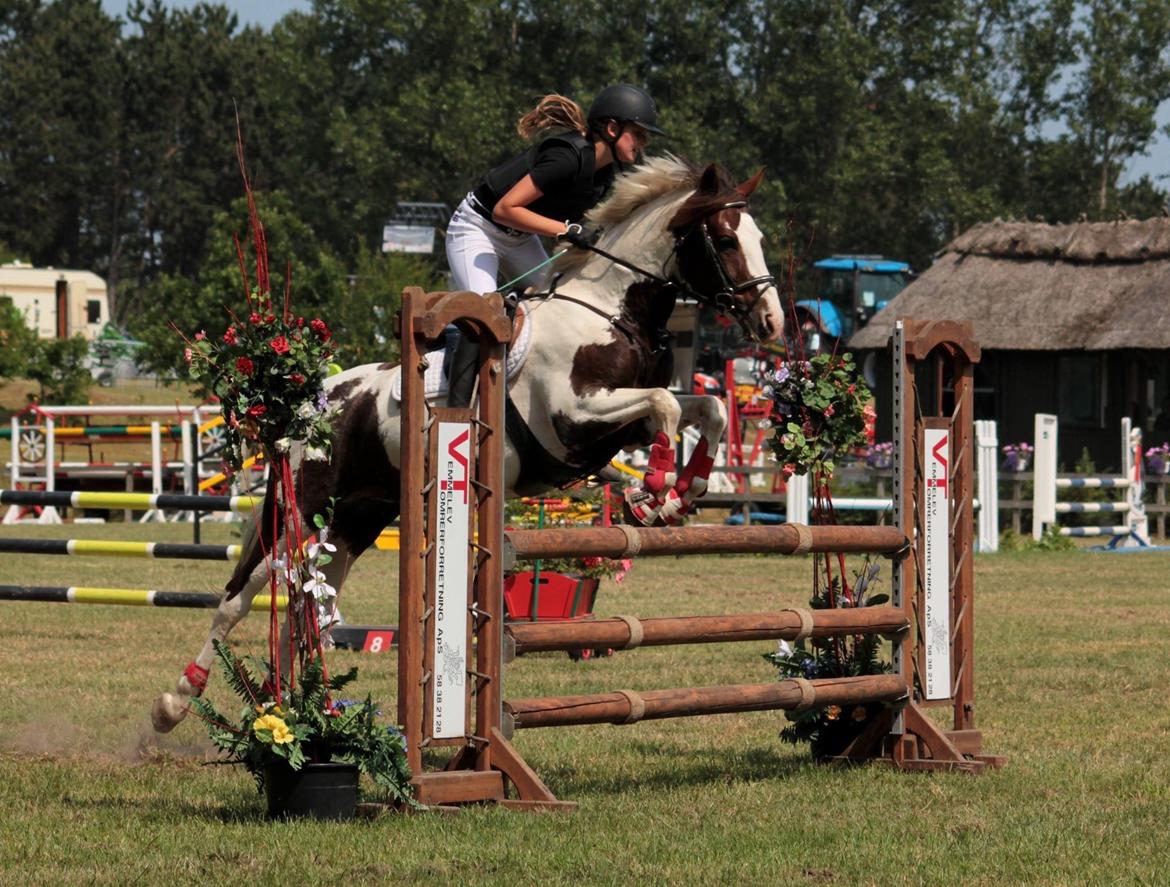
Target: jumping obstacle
(1134, 534)
(128, 597)
(138, 501)
(454, 553)
(114, 548)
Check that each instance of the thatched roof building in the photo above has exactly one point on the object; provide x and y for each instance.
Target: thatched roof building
(1032, 287)
(1072, 319)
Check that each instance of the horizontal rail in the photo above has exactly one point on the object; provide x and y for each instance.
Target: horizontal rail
(1093, 531)
(1093, 482)
(132, 597)
(627, 707)
(111, 548)
(1091, 507)
(705, 539)
(534, 637)
(116, 410)
(141, 501)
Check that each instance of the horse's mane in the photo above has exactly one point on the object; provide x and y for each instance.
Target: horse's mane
(648, 181)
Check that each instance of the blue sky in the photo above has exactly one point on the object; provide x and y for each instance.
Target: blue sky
(267, 12)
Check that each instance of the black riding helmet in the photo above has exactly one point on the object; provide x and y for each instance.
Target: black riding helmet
(625, 104)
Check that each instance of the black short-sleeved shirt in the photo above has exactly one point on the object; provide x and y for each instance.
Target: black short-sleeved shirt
(562, 167)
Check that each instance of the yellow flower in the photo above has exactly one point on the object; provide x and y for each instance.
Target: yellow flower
(271, 723)
(833, 712)
(281, 734)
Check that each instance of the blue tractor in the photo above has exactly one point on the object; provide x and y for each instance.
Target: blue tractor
(850, 290)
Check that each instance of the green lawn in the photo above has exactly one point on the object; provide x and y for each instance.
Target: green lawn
(1071, 672)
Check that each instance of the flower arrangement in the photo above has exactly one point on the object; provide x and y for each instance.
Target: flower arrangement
(268, 373)
(1158, 459)
(1017, 457)
(830, 729)
(818, 410)
(880, 455)
(306, 725)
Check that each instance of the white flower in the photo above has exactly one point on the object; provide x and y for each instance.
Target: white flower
(784, 649)
(306, 410)
(284, 445)
(316, 454)
(318, 587)
(315, 548)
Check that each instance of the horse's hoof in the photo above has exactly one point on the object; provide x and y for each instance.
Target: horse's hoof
(166, 713)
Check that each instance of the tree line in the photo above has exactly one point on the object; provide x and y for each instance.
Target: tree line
(886, 127)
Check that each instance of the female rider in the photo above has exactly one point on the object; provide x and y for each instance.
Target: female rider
(545, 190)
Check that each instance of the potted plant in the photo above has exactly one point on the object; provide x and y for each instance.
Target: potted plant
(1158, 459)
(306, 749)
(829, 730)
(1017, 457)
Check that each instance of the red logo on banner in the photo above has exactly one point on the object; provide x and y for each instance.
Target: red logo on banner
(940, 482)
(458, 484)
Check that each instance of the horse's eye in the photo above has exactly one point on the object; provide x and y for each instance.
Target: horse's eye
(726, 244)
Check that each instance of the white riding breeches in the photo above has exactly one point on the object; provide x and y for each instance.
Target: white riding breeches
(477, 251)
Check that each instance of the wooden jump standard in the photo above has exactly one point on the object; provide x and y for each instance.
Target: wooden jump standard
(454, 552)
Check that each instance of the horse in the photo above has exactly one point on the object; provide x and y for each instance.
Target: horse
(592, 382)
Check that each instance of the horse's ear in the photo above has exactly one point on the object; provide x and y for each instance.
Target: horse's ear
(745, 190)
(709, 180)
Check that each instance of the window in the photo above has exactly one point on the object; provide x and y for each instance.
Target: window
(1079, 381)
(93, 311)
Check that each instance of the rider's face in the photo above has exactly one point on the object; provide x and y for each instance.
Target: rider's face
(631, 143)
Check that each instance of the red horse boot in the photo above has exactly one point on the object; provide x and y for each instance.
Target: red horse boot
(660, 473)
(643, 506)
(691, 484)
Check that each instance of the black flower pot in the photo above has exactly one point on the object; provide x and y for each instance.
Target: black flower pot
(836, 734)
(316, 791)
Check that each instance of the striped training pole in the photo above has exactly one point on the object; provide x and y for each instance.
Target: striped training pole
(141, 501)
(113, 548)
(132, 597)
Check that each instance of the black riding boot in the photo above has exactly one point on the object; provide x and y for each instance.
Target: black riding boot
(462, 371)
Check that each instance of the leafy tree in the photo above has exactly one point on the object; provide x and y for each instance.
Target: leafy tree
(206, 301)
(17, 341)
(61, 367)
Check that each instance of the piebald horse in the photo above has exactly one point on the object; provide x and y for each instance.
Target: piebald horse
(591, 384)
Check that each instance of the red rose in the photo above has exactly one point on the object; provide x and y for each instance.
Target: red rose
(230, 336)
(280, 345)
(297, 379)
(300, 321)
(255, 412)
(254, 318)
(318, 326)
(271, 318)
(201, 335)
(245, 366)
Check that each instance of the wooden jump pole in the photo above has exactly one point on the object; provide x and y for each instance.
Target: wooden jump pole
(626, 541)
(629, 707)
(627, 632)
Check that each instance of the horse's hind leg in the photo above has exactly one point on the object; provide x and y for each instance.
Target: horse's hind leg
(170, 708)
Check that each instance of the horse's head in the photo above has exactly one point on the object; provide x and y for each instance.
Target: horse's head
(720, 254)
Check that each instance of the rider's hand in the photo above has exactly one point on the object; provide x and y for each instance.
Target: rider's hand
(578, 235)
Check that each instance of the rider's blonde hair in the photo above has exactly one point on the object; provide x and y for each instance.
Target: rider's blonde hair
(553, 112)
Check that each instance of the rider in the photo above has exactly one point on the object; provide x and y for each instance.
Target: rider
(545, 190)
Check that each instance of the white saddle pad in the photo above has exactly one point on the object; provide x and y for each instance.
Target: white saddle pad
(436, 382)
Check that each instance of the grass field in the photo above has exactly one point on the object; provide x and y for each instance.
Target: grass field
(1070, 681)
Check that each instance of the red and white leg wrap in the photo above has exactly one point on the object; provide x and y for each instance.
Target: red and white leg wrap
(660, 472)
(196, 677)
(691, 484)
(643, 505)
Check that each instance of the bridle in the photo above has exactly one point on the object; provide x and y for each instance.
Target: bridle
(723, 299)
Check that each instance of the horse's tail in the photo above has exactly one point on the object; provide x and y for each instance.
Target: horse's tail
(257, 540)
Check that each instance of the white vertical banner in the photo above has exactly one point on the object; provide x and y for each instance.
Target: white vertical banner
(452, 526)
(936, 562)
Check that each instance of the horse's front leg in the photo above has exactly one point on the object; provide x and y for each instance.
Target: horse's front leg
(710, 416)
